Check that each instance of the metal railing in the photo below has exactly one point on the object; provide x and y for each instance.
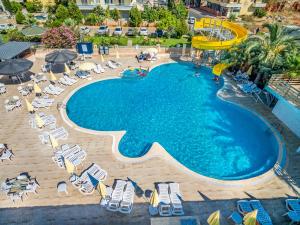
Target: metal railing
(285, 88)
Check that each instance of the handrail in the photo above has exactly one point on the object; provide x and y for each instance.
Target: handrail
(285, 89)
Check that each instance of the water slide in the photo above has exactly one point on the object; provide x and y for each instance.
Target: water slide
(209, 43)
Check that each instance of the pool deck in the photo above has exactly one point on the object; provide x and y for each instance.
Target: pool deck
(200, 198)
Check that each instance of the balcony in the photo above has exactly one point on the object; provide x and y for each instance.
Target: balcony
(226, 4)
(122, 6)
(259, 5)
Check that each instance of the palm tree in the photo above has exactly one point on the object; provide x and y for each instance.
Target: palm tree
(269, 51)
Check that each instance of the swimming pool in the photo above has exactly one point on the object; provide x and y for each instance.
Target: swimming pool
(134, 73)
(182, 112)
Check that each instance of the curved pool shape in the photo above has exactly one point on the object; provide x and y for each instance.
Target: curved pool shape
(183, 113)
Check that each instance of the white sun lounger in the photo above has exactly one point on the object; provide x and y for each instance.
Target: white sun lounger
(56, 88)
(58, 133)
(95, 171)
(48, 91)
(49, 121)
(63, 81)
(127, 201)
(70, 80)
(98, 69)
(7, 154)
(116, 63)
(164, 207)
(116, 196)
(111, 65)
(175, 196)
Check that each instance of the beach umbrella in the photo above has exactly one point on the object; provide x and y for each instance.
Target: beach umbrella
(69, 166)
(102, 58)
(37, 89)
(249, 71)
(250, 218)
(152, 51)
(87, 66)
(67, 70)
(29, 106)
(53, 141)
(39, 122)
(60, 56)
(102, 189)
(52, 77)
(13, 67)
(117, 54)
(154, 199)
(214, 218)
(93, 180)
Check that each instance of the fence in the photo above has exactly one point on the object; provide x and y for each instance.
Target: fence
(286, 88)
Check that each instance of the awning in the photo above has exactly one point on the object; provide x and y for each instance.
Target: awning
(12, 49)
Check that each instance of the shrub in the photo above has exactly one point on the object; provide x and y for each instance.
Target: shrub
(232, 17)
(115, 14)
(181, 28)
(59, 37)
(258, 12)
(34, 6)
(15, 7)
(99, 11)
(20, 18)
(7, 5)
(61, 13)
(135, 17)
(150, 14)
(74, 12)
(93, 19)
(30, 19)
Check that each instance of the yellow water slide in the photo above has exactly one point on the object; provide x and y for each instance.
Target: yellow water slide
(208, 43)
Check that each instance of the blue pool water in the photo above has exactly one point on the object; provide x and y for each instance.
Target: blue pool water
(183, 113)
(134, 73)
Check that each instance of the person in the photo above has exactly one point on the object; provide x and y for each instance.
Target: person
(197, 74)
(216, 78)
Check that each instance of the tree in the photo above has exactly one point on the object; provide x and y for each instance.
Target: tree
(99, 11)
(69, 22)
(258, 12)
(168, 22)
(181, 28)
(150, 14)
(268, 52)
(34, 6)
(15, 7)
(74, 12)
(61, 13)
(7, 5)
(115, 15)
(59, 37)
(30, 19)
(93, 19)
(107, 14)
(232, 17)
(15, 35)
(135, 17)
(180, 11)
(20, 18)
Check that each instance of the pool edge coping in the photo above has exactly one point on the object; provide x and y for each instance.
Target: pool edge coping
(157, 151)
